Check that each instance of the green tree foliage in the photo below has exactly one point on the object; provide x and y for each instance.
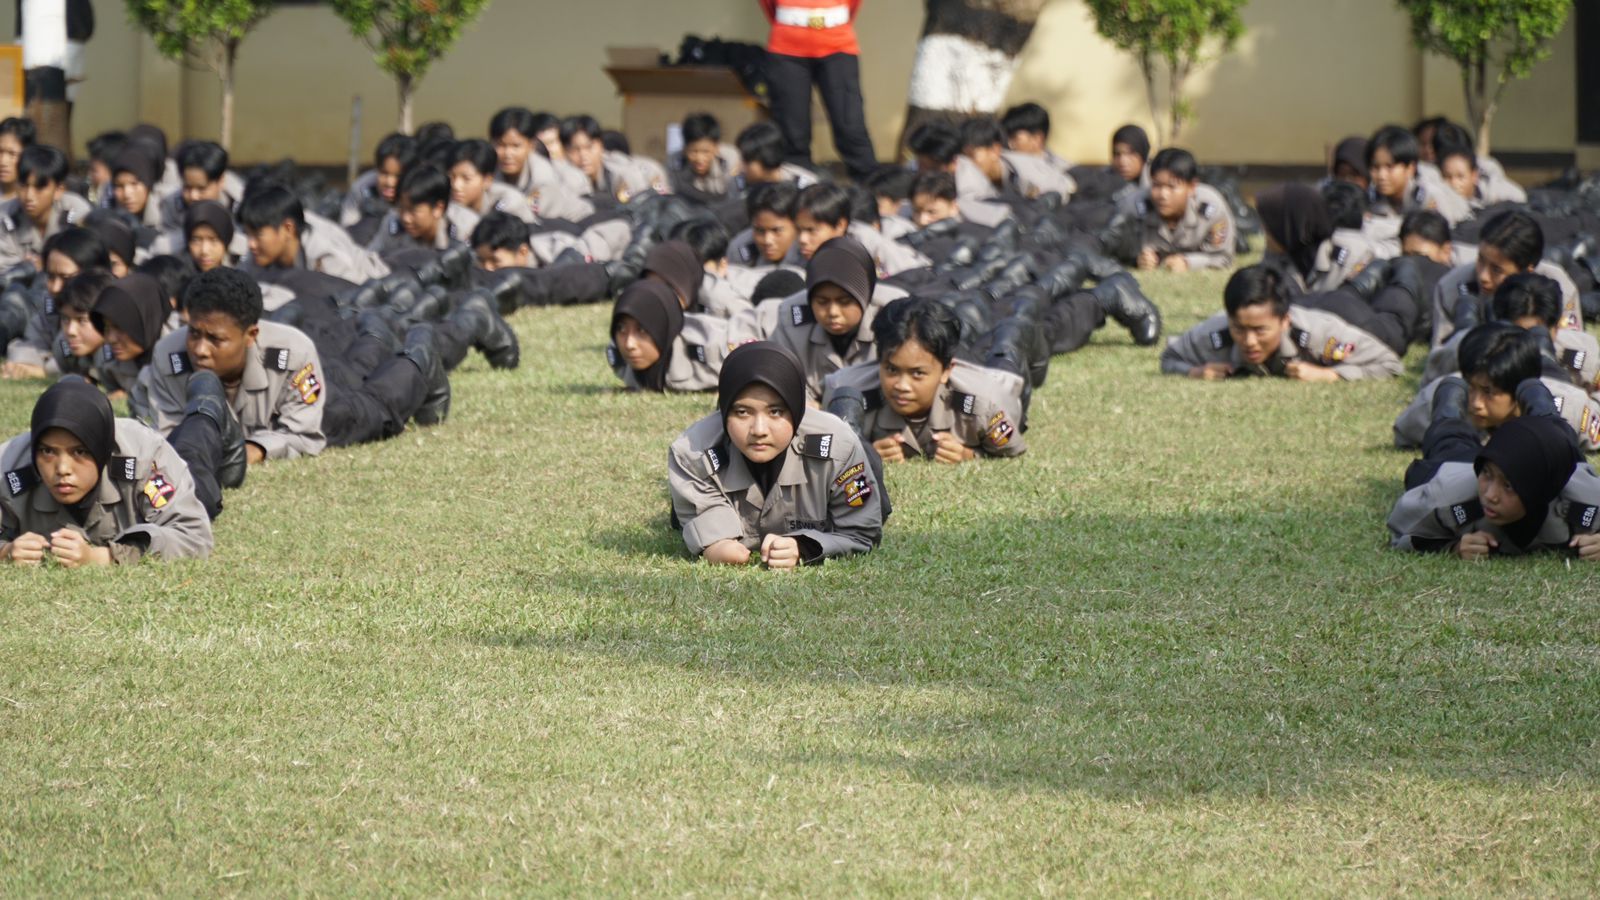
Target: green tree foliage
(1494, 42)
(407, 36)
(1173, 33)
(208, 31)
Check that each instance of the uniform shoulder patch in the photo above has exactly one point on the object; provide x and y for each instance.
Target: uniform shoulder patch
(1574, 359)
(855, 486)
(1337, 351)
(394, 226)
(107, 354)
(1464, 514)
(613, 359)
(715, 457)
(49, 305)
(158, 490)
(819, 446)
(1143, 207)
(19, 481)
(1341, 256)
(1464, 288)
(1589, 425)
(9, 222)
(698, 351)
(275, 358)
(123, 468)
(801, 314)
(874, 398)
(1000, 430)
(1300, 337)
(1221, 340)
(179, 363)
(967, 404)
(1419, 193)
(1581, 517)
(306, 382)
(1205, 209)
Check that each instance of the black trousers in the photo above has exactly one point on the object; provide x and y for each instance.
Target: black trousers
(1070, 320)
(1391, 317)
(373, 393)
(838, 77)
(198, 443)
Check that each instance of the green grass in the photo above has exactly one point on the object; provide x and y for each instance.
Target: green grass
(1166, 652)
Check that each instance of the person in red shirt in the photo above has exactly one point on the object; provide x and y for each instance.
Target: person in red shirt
(814, 42)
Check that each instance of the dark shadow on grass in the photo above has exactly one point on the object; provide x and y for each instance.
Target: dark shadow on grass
(586, 389)
(1149, 657)
(655, 539)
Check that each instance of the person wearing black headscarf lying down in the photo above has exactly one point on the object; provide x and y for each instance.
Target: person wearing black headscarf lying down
(85, 488)
(765, 478)
(1528, 489)
(656, 346)
(132, 314)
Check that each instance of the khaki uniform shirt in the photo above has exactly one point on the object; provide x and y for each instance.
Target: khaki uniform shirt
(144, 504)
(1462, 282)
(825, 490)
(1314, 336)
(279, 400)
(1339, 259)
(391, 238)
(981, 407)
(720, 181)
(1203, 237)
(892, 257)
(19, 239)
(1032, 177)
(798, 332)
(1420, 195)
(1575, 405)
(551, 195)
(1432, 517)
(1578, 352)
(721, 298)
(697, 355)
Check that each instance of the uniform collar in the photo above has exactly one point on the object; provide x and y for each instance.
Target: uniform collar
(735, 475)
(941, 416)
(105, 494)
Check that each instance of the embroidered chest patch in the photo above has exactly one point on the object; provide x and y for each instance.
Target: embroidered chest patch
(158, 490)
(305, 381)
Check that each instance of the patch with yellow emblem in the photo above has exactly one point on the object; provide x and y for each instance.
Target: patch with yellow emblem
(306, 382)
(1000, 430)
(1589, 427)
(1336, 351)
(1219, 233)
(158, 490)
(853, 482)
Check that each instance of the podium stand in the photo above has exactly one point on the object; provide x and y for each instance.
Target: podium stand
(11, 86)
(655, 97)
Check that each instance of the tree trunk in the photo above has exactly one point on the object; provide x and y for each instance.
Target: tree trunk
(407, 85)
(966, 58)
(1177, 73)
(1147, 68)
(230, 53)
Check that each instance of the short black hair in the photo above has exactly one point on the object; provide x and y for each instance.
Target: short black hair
(938, 141)
(1527, 294)
(1450, 134)
(1443, 152)
(80, 245)
(207, 156)
(826, 202)
(402, 148)
(1256, 284)
(543, 121)
(105, 146)
(83, 289)
(1028, 116)
(438, 153)
(1426, 224)
(1178, 162)
(500, 231)
(426, 184)
(981, 131)
(478, 152)
(701, 127)
(1399, 141)
(761, 142)
(706, 237)
(1502, 353)
(227, 291)
(615, 142)
(512, 118)
(863, 205)
(269, 205)
(928, 322)
(778, 283)
(572, 126)
(892, 182)
(1517, 235)
(428, 132)
(1346, 203)
(41, 164)
(779, 198)
(173, 273)
(936, 184)
(21, 128)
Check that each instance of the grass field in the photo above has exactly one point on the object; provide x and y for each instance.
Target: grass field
(1165, 652)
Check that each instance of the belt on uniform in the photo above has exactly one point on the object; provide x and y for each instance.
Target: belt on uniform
(813, 17)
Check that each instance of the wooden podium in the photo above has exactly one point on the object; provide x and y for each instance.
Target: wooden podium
(655, 97)
(10, 80)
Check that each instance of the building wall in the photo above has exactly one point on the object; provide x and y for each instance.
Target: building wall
(1304, 75)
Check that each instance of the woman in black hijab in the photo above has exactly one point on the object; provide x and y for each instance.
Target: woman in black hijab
(764, 475)
(132, 314)
(1130, 155)
(1297, 225)
(656, 346)
(207, 234)
(85, 488)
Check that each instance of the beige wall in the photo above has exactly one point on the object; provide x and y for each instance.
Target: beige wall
(1304, 75)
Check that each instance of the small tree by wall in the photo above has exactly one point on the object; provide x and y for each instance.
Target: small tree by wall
(407, 36)
(206, 32)
(1172, 33)
(1494, 42)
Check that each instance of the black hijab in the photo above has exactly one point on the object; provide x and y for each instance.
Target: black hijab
(655, 307)
(118, 238)
(676, 264)
(141, 160)
(842, 261)
(1297, 219)
(763, 362)
(1135, 138)
(1352, 151)
(77, 407)
(208, 212)
(1538, 458)
(135, 304)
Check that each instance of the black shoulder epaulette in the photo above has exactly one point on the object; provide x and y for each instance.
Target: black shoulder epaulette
(1143, 207)
(1418, 193)
(1300, 337)
(275, 358)
(967, 404)
(873, 398)
(394, 226)
(178, 362)
(819, 446)
(698, 351)
(1465, 288)
(716, 455)
(19, 481)
(1341, 255)
(801, 314)
(1205, 209)
(1221, 340)
(1574, 359)
(49, 305)
(1581, 517)
(123, 468)
(107, 354)
(9, 222)
(1464, 514)
(612, 359)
